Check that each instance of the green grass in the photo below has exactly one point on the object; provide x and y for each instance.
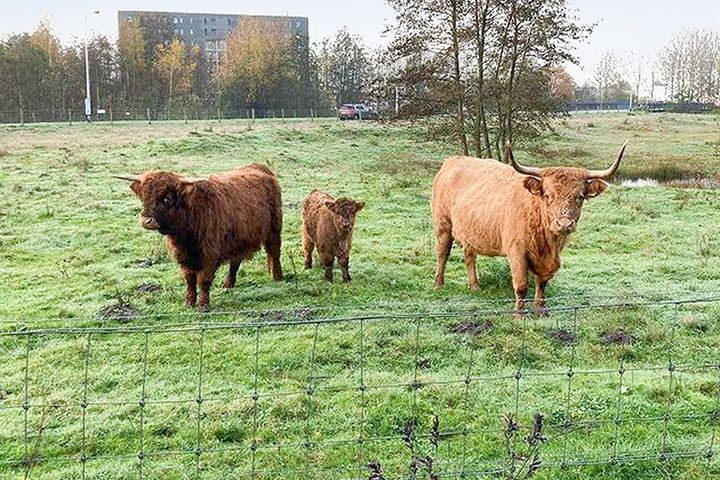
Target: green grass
(71, 250)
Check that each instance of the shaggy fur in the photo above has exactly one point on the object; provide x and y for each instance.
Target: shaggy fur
(225, 218)
(492, 210)
(328, 225)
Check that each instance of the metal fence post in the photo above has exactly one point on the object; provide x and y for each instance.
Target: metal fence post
(69, 117)
(148, 115)
(253, 114)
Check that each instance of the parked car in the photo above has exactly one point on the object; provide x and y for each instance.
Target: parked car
(356, 111)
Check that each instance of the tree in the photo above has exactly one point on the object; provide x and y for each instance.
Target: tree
(562, 84)
(257, 58)
(495, 55)
(607, 75)
(131, 59)
(344, 69)
(176, 65)
(688, 65)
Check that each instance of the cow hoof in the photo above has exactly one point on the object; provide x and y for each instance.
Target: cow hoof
(438, 286)
(519, 314)
(190, 303)
(542, 312)
(203, 308)
(228, 284)
(308, 266)
(473, 287)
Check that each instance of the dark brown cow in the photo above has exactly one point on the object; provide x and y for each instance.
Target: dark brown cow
(522, 213)
(224, 218)
(328, 225)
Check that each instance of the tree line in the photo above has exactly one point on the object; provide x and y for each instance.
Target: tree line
(150, 68)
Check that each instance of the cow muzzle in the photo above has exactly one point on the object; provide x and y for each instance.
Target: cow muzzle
(149, 223)
(566, 225)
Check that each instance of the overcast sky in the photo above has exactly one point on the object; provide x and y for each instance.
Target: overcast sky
(631, 28)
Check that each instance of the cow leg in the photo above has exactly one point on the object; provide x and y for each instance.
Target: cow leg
(205, 278)
(443, 245)
(232, 274)
(327, 263)
(272, 247)
(308, 247)
(470, 264)
(344, 262)
(190, 278)
(540, 285)
(519, 271)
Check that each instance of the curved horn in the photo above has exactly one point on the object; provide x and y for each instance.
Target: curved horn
(191, 180)
(129, 178)
(610, 171)
(534, 171)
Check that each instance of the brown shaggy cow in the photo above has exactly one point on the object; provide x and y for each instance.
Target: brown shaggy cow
(522, 213)
(328, 225)
(224, 218)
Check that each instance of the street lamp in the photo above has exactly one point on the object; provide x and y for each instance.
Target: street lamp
(88, 105)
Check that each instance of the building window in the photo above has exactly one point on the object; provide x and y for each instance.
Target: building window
(205, 20)
(206, 32)
(191, 32)
(212, 20)
(174, 19)
(214, 30)
(181, 19)
(182, 32)
(229, 22)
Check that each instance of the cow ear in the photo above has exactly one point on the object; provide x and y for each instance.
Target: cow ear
(359, 205)
(533, 185)
(595, 187)
(135, 187)
(330, 205)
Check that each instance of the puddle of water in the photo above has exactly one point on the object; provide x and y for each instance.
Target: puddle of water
(640, 183)
(700, 183)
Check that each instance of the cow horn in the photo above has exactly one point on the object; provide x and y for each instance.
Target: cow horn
(191, 180)
(534, 171)
(610, 171)
(129, 178)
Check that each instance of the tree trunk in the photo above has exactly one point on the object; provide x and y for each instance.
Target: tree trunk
(457, 80)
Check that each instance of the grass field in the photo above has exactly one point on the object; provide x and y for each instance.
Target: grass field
(72, 254)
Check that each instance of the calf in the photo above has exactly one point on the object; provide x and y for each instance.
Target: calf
(328, 225)
(208, 221)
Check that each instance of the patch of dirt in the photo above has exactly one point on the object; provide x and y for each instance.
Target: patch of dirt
(424, 363)
(149, 288)
(293, 315)
(618, 337)
(122, 312)
(561, 335)
(472, 328)
(143, 262)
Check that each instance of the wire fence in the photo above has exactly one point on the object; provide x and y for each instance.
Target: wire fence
(148, 114)
(388, 394)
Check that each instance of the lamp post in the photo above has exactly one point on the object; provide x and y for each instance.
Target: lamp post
(88, 105)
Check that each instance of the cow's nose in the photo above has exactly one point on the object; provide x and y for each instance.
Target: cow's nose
(565, 223)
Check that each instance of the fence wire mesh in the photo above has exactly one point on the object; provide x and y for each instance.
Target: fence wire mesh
(393, 394)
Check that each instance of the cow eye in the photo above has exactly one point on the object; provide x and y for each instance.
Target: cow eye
(167, 200)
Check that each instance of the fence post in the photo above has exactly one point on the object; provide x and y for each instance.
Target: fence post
(218, 114)
(69, 117)
(185, 114)
(22, 117)
(147, 110)
(33, 117)
(110, 113)
(312, 115)
(282, 114)
(253, 114)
